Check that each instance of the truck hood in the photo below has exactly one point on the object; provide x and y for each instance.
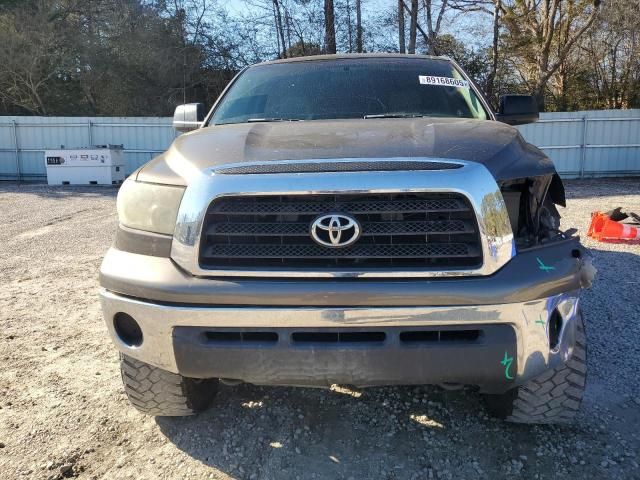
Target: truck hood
(497, 146)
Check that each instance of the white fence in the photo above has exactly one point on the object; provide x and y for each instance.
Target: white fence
(582, 144)
(596, 143)
(24, 139)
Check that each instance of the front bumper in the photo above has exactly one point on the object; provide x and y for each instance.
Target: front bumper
(512, 347)
(249, 330)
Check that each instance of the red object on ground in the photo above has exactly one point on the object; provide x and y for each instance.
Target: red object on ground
(604, 229)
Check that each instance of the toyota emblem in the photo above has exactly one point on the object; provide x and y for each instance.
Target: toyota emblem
(335, 230)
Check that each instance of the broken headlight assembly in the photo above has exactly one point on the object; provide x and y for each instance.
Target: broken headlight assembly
(531, 204)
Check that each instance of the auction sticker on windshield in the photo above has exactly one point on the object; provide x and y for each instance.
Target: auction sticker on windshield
(446, 81)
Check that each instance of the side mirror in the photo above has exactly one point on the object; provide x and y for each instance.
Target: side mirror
(517, 109)
(188, 116)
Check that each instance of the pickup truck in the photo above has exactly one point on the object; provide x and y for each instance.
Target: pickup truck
(357, 220)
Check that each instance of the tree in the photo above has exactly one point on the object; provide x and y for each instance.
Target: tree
(433, 27)
(493, 8)
(430, 36)
(495, 51)
(401, 26)
(359, 26)
(329, 27)
(279, 27)
(476, 64)
(142, 57)
(413, 26)
(300, 49)
(533, 26)
(349, 25)
(100, 57)
(31, 57)
(611, 78)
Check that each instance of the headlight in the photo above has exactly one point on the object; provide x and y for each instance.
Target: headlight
(150, 207)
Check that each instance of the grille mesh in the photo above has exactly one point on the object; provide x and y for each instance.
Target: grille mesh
(357, 251)
(368, 228)
(426, 230)
(353, 207)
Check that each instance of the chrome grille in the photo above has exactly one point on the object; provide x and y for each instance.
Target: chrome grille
(399, 230)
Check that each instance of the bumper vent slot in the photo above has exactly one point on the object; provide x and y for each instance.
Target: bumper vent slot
(338, 337)
(434, 231)
(440, 336)
(241, 337)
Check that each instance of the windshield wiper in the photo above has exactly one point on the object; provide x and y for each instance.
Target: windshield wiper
(272, 119)
(396, 115)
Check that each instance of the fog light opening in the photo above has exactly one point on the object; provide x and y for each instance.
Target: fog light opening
(555, 328)
(127, 329)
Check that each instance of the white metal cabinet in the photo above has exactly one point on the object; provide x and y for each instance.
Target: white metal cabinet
(97, 165)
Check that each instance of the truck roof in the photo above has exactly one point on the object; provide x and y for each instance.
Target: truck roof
(353, 56)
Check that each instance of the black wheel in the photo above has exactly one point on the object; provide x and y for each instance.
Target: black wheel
(553, 397)
(160, 393)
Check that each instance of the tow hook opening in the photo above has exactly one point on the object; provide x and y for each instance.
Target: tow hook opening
(555, 328)
(127, 329)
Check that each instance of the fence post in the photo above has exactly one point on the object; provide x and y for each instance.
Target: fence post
(583, 149)
(90, 133)
(16, 149)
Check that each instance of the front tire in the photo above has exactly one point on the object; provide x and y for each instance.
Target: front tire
(553, 397)
(160, 393)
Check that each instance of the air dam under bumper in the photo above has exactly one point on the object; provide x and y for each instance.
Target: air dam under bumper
(352, 356)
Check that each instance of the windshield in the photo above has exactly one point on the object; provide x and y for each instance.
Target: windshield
(348, 88)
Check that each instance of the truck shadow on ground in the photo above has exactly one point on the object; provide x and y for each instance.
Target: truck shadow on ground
(399, 432)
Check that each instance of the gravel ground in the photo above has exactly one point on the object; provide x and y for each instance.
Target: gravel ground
(63, 412)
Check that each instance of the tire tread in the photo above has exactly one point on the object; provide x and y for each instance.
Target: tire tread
(553, 397)
(158, 392)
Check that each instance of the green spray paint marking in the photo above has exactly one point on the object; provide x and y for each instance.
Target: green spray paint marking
(506, 362)
(541, 322)
(543, 267)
